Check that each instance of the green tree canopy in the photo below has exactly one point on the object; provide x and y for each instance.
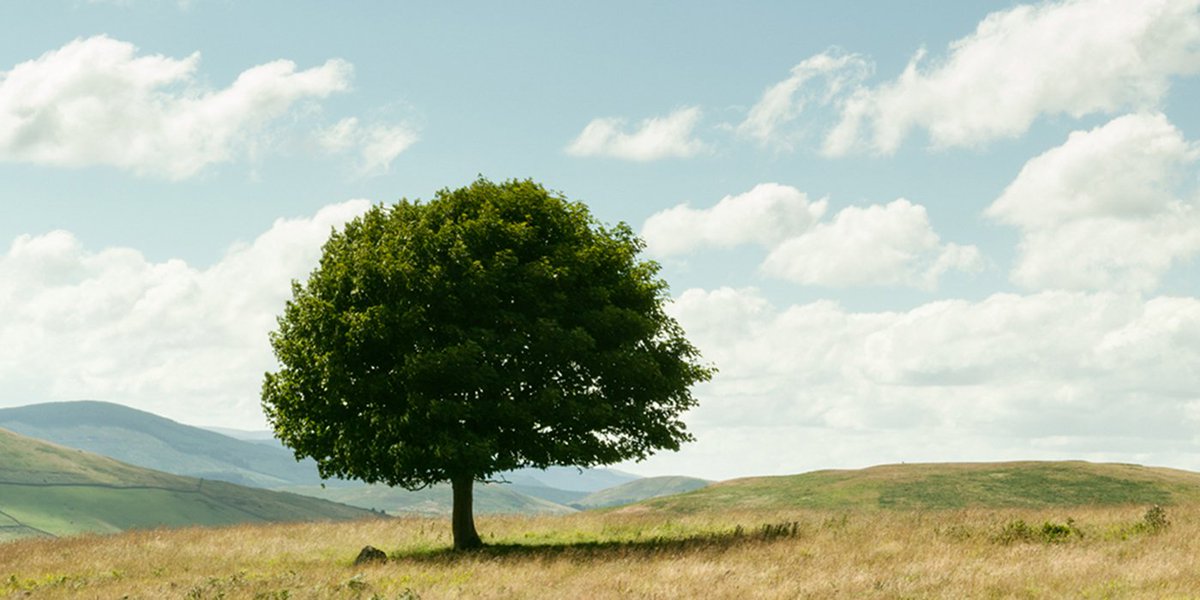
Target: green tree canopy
(497, 326)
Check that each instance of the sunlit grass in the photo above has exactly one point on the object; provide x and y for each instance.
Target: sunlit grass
(618, 554)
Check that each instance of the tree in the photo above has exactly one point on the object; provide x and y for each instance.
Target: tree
(497, 326)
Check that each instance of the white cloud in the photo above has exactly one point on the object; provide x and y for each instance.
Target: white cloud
(656, 138)
(1112, 208)
(184, 342)
(1073, 57)
(341, 136)
(1097, 376)
(893, 244)
(95, 101)
(765, 215)
(377, 144)
(383, 143)
(783, 103)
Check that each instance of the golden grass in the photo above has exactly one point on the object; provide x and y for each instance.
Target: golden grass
(623, 554)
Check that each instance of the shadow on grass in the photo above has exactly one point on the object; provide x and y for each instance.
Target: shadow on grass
(608, 548)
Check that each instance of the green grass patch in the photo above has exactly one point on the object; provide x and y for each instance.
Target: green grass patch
(946, 486)
(1020, 487)
(72, 510)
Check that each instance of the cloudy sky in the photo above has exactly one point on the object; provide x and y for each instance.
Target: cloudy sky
(909, 231)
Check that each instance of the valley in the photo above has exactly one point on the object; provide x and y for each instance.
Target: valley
(99, 467)
(939, 530)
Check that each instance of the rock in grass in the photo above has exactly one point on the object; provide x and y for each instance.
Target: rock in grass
(370, 554)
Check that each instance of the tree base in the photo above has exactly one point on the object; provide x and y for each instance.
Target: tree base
(462, 521)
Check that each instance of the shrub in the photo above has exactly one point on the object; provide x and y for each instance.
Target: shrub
(1049, 532)
(778, 530)
(1059, 532)
(1155, 520)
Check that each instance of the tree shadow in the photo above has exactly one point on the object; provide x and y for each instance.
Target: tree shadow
(606, 549)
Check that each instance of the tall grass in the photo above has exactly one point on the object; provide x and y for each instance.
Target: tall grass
(1114, 552)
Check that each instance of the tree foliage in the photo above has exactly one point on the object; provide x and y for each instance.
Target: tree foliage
(497, 326)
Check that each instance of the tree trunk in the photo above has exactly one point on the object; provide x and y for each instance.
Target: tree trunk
(463, 519)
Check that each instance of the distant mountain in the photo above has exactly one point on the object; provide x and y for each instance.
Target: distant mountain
(147, 440)
(495, 498)
(569, 478)
(561, 485)
(555, 495)
(521, 492)
(638, 490)
(49, 490)
(259, 460)
(258, 437)
(946, 486)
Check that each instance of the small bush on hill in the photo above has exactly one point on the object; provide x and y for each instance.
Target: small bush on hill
(1155, 519)
(780, 530)
(1049, 532)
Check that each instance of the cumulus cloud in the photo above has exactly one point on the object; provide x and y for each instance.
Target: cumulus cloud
(767, 214)
(185, 342)
(1100, 376)
(377, 144)
(892, 244)
(1112, 208)
(653, 139)
(1073, 57)
(97, 101)
(836, 72)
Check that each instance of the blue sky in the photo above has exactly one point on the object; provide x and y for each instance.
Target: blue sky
(903, 231)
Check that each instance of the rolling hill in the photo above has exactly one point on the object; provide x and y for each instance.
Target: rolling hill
(49, 490)
(946, 486)
(258, 460)
(489, 498)
(638, 490)
(147, 440)
(571, 479)
(522, 494)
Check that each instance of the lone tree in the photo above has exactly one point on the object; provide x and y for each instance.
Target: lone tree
(497, 326)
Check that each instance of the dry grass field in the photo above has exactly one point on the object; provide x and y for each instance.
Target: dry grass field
(1112, 552)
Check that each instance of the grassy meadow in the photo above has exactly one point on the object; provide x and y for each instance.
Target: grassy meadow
(1097, 552)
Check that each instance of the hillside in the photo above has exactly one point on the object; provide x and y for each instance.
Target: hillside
(49, 490)
(753, 539)
(947, 486)
(571, 479)
(258, 460)
(147, 440)
(522, 491)
(638, 490)
(490, 498)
